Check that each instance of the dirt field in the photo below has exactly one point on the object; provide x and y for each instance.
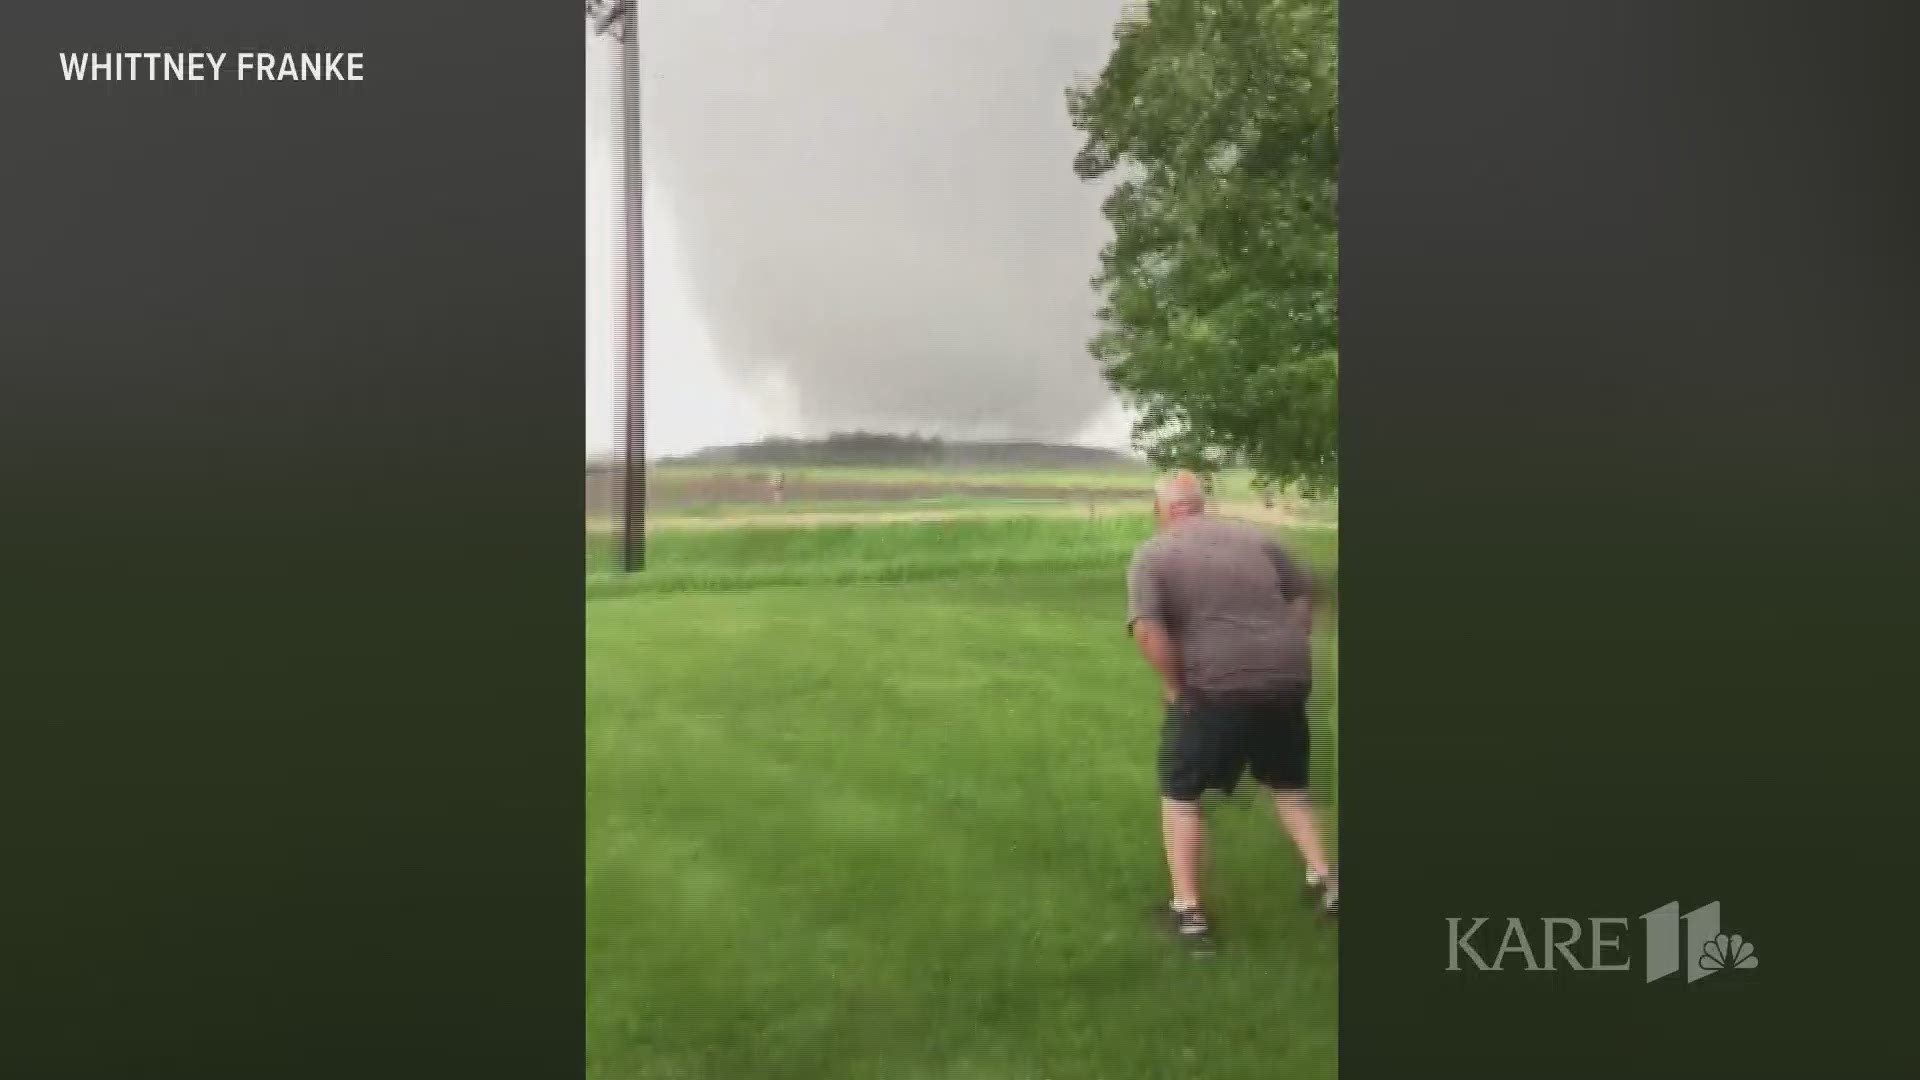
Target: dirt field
(1279, 515)
(669, 492)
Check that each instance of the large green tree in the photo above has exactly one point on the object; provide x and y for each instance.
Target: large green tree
(1218, 122)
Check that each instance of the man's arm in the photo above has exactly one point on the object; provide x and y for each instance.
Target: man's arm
(1296, 585)
(1161, 653)
(1146, 620)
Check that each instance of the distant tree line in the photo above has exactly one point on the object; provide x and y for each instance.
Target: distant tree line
(860, 448)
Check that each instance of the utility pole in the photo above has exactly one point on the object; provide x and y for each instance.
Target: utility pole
(616, 17)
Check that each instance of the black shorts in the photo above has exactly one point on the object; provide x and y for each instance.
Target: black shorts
(1207, 743)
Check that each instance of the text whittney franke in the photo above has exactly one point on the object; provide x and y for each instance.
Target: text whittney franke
(213, 67)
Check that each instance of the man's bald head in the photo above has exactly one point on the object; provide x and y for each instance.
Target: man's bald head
(1177, 495)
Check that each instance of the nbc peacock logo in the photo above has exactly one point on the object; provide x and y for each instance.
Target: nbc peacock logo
(1707, 951)
(1724, 953)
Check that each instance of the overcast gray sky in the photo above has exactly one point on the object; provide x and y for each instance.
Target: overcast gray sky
(860, 214)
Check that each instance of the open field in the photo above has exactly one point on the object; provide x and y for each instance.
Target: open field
(677, 490)
(1047, 479)
(896, 819)
(681, 498)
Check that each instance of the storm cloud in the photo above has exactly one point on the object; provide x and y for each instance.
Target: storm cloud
(873, 205)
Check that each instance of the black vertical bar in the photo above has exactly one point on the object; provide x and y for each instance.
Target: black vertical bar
(633, 530)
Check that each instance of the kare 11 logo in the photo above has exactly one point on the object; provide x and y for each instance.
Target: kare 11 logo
(1671, 941)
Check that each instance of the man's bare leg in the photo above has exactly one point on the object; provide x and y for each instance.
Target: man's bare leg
(1186, 836)
(1295, 812)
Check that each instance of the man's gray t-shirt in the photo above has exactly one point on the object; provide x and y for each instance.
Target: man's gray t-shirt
(1229, 596)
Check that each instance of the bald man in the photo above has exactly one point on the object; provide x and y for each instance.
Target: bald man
(1222, 613)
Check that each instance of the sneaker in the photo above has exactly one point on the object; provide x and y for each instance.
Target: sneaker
(1190, 926)
(1323, 892)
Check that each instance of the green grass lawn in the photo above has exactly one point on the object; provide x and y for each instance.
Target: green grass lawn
(910, 830)
(854, 553)
(679, 560)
